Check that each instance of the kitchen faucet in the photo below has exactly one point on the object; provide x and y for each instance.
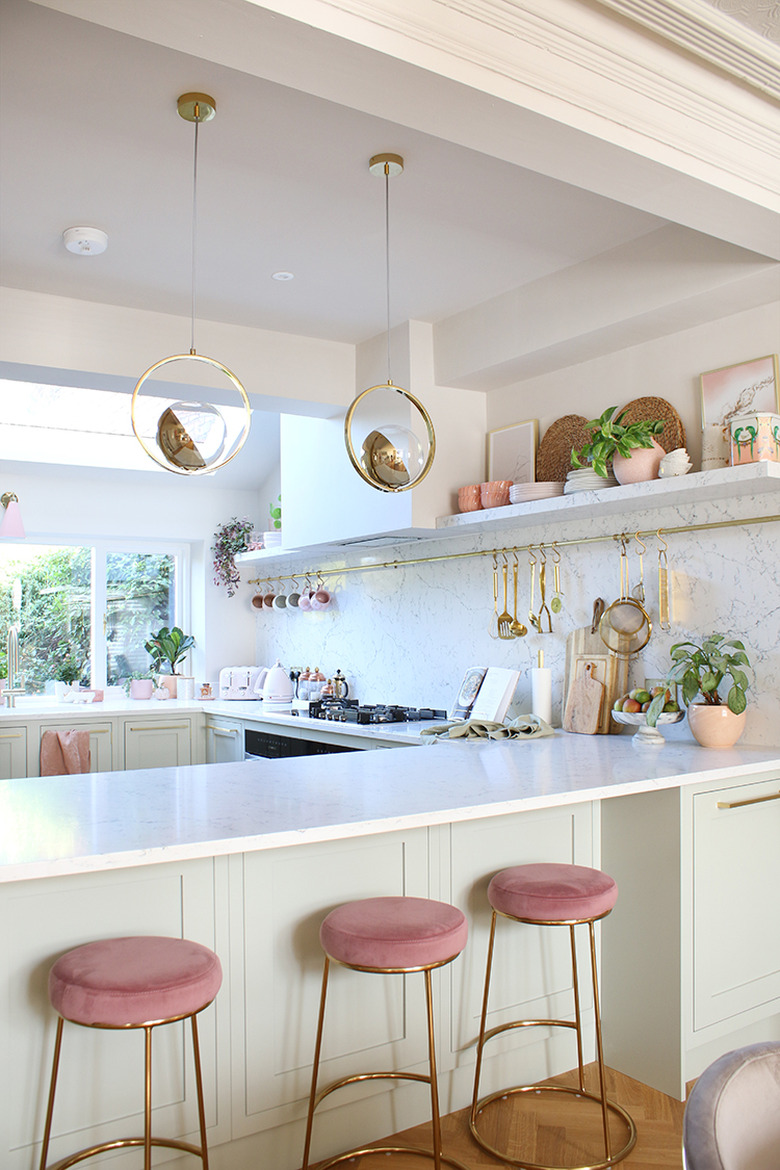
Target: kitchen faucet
(12, 660)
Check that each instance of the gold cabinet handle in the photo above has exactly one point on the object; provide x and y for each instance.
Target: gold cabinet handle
(752, 800)
(163, 727)
(12, 735)
(224, 730)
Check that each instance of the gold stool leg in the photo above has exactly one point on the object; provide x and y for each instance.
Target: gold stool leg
(204, 1157)
(315, 1065)
(483, 1022)
(577, 1016)
(147, 1098)
(599, 1045)
(435, 1116)
(50, 1107)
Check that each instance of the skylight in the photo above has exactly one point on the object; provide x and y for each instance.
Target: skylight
(74, 426)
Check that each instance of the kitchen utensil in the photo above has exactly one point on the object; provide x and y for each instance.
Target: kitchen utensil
(504, 620)
(556, 605)
(625, 626)
(584, 646)
(517, 627)
(584, 704)
(276, 689)
(493, 626)
(532, 566)
(664, 609)
(544, 617)
(639, 590)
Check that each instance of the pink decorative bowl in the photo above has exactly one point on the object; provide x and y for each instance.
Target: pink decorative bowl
(469, 498)
(496, 493)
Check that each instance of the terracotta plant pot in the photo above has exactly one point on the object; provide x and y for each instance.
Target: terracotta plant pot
(716, 727)
(642, 465)
(170, 683)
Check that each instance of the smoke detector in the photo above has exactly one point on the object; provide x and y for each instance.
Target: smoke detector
(85, 241)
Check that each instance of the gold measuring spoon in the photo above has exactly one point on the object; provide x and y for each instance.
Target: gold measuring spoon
(517, 628)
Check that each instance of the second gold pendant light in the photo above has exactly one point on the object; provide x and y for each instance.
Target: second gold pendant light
(392, 458)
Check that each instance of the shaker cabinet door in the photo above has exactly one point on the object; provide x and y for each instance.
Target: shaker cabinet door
(157, 744)
(13, 752)
(736, 841)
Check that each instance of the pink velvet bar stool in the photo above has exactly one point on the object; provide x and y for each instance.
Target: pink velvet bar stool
(552, 894)
(388, 936)
(135, 982)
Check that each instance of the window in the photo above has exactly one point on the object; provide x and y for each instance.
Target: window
(84, 613)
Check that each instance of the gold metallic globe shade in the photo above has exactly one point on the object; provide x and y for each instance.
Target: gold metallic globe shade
(180, 467)
(382, 448)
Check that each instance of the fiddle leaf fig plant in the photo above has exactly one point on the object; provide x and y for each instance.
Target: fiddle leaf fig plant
(168, 646)
(611, 436)
(702, 669)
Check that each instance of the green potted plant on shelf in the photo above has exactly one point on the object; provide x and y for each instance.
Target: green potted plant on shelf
(612, 439)
(701, 670)
(168, 646)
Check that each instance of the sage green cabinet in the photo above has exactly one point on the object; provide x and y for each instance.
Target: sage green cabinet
(13, 752)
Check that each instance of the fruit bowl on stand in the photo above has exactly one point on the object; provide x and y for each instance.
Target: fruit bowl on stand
(644, 735)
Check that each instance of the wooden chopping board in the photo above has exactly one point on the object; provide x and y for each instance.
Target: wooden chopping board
(584, 704)
(584, 646)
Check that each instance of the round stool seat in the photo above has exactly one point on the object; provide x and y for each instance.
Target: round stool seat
(121, 982)
(393, 933)
(552, 892)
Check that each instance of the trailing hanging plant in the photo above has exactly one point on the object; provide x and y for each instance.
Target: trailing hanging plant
(229, 540)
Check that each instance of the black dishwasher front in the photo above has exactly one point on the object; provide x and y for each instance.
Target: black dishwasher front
(272, 746)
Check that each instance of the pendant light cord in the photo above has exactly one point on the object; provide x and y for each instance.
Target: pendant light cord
(387, 265)
(194, 225)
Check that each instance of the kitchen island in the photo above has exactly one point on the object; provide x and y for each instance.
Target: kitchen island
(247, 857)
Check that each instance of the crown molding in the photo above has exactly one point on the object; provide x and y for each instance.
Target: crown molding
(577, 55)
(711, 35)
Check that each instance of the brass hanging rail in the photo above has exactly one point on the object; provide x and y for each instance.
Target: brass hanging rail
(517, 548)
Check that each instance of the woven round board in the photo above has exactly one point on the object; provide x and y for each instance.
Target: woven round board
(673, 434)
(553, 459)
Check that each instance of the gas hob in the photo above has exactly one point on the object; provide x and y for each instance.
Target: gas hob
(350, 711)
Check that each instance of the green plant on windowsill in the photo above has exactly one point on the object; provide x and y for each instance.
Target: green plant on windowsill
(611, 437)
(702, 669)
(169, 646)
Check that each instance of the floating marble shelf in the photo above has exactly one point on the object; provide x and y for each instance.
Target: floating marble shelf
(699, 487)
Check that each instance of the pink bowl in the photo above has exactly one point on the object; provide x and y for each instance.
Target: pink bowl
(496, 493)
(469, 498)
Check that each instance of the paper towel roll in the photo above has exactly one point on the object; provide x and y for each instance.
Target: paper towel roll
(541, 692)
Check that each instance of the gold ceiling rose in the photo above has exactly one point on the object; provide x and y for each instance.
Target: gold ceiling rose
(391, 458)
(190, 437)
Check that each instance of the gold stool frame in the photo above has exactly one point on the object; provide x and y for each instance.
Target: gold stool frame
(607, 1106)
(147, 1141)
(315, 1098)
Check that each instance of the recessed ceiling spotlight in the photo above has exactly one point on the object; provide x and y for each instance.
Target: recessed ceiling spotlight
(85, 241)
(283, 276)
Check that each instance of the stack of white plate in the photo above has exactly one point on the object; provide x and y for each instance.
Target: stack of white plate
(521, 493)
(584, 479)
(272, 539)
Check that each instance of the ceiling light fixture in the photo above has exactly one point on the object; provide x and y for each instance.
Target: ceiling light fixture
(189, 437)
(282, 276)
(392, 457)
(85, 241)
(11, 527)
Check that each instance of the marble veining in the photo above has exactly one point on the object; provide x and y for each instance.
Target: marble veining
(408, 634)
(75, 824)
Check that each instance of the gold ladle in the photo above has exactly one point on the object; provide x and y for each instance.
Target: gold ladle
(517, 629)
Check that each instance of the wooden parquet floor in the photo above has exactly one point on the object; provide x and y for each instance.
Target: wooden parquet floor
(556, 1129)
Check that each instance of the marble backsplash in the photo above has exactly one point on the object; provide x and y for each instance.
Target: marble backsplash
(407, 634)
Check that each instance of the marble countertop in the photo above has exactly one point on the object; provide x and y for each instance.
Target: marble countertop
(52, 826)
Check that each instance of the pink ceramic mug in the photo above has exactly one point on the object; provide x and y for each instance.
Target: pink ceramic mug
(304, 601)
(257, 601)
(268, 599)
(320, 599)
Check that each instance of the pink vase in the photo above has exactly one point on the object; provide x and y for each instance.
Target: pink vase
(643, 464)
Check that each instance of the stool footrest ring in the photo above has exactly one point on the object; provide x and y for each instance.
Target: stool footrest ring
(368, 1076)
(364, 1151)
(601, 1164)
(120, 1144)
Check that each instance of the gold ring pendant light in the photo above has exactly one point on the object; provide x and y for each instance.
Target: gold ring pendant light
(189, 438)
(391, 458)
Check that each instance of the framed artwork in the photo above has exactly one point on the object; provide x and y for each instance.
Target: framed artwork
(511, 452)
(741, 389)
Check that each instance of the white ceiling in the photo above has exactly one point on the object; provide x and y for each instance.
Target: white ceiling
(90, 135)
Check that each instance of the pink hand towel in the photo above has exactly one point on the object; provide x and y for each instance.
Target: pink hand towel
(64, 753)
